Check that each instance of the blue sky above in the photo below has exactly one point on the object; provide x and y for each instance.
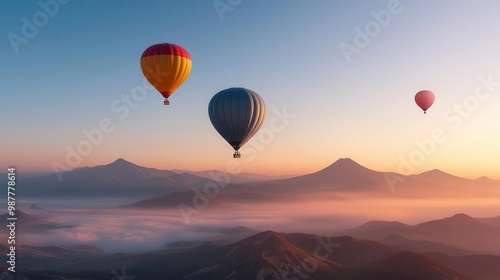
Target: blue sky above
(66, 78)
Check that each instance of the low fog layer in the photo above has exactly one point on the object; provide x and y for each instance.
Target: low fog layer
(130, 230)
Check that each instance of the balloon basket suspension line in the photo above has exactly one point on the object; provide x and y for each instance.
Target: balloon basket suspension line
(166, 102)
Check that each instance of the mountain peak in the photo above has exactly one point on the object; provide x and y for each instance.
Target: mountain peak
(343, 174)
(457, 218)
(345, 161)
(345, 164)
(484, 178)
(455, 222)
(267, 236)
(460, 217)
(34, 206)
(434, 171)
(379, 225)
(438, 174)
(121, 161)
(346, 167)
(270, 233)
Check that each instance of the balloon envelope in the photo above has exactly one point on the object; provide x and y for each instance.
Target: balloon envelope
(237, 114)
(166, 67)
(424, 99)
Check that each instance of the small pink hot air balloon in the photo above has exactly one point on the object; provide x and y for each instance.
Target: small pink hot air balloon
(424, 99)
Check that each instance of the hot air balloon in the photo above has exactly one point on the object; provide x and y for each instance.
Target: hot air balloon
(237, 114)
(166, 67)
(424, 99)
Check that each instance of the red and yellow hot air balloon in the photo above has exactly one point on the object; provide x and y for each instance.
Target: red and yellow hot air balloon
(166, 67)
(424, 99)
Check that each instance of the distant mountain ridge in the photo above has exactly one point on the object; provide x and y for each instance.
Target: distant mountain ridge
(344, 174)
(123, 178)
(273, 255)
(118, 178)
(461, 232)
(238, 178)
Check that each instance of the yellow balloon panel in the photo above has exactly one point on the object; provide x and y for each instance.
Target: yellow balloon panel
(166, 72)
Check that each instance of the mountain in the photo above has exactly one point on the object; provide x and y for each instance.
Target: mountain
(485, 179)
(200, 197)
(129, 174)
(22, 274)
(35, 207)
(458, 223)
(412, 266)
(182, 244)
(437, 175)
(54, 257)
(346, 176)
(422, 246)
(343, 175)
(484, 267)
(41, 256)
(21, 216)
(170, 200)
(119, 178)
(233, 178)
(380, 225)
(340, 180)
(460, 232)
(266, 256)
(379, 230)
(491, 221)
(239, 230)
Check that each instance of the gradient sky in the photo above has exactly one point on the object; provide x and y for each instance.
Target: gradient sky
(86, 57)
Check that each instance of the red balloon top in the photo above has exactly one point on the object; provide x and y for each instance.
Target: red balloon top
(166, 49)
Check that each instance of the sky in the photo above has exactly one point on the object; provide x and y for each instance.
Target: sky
(338, 79)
